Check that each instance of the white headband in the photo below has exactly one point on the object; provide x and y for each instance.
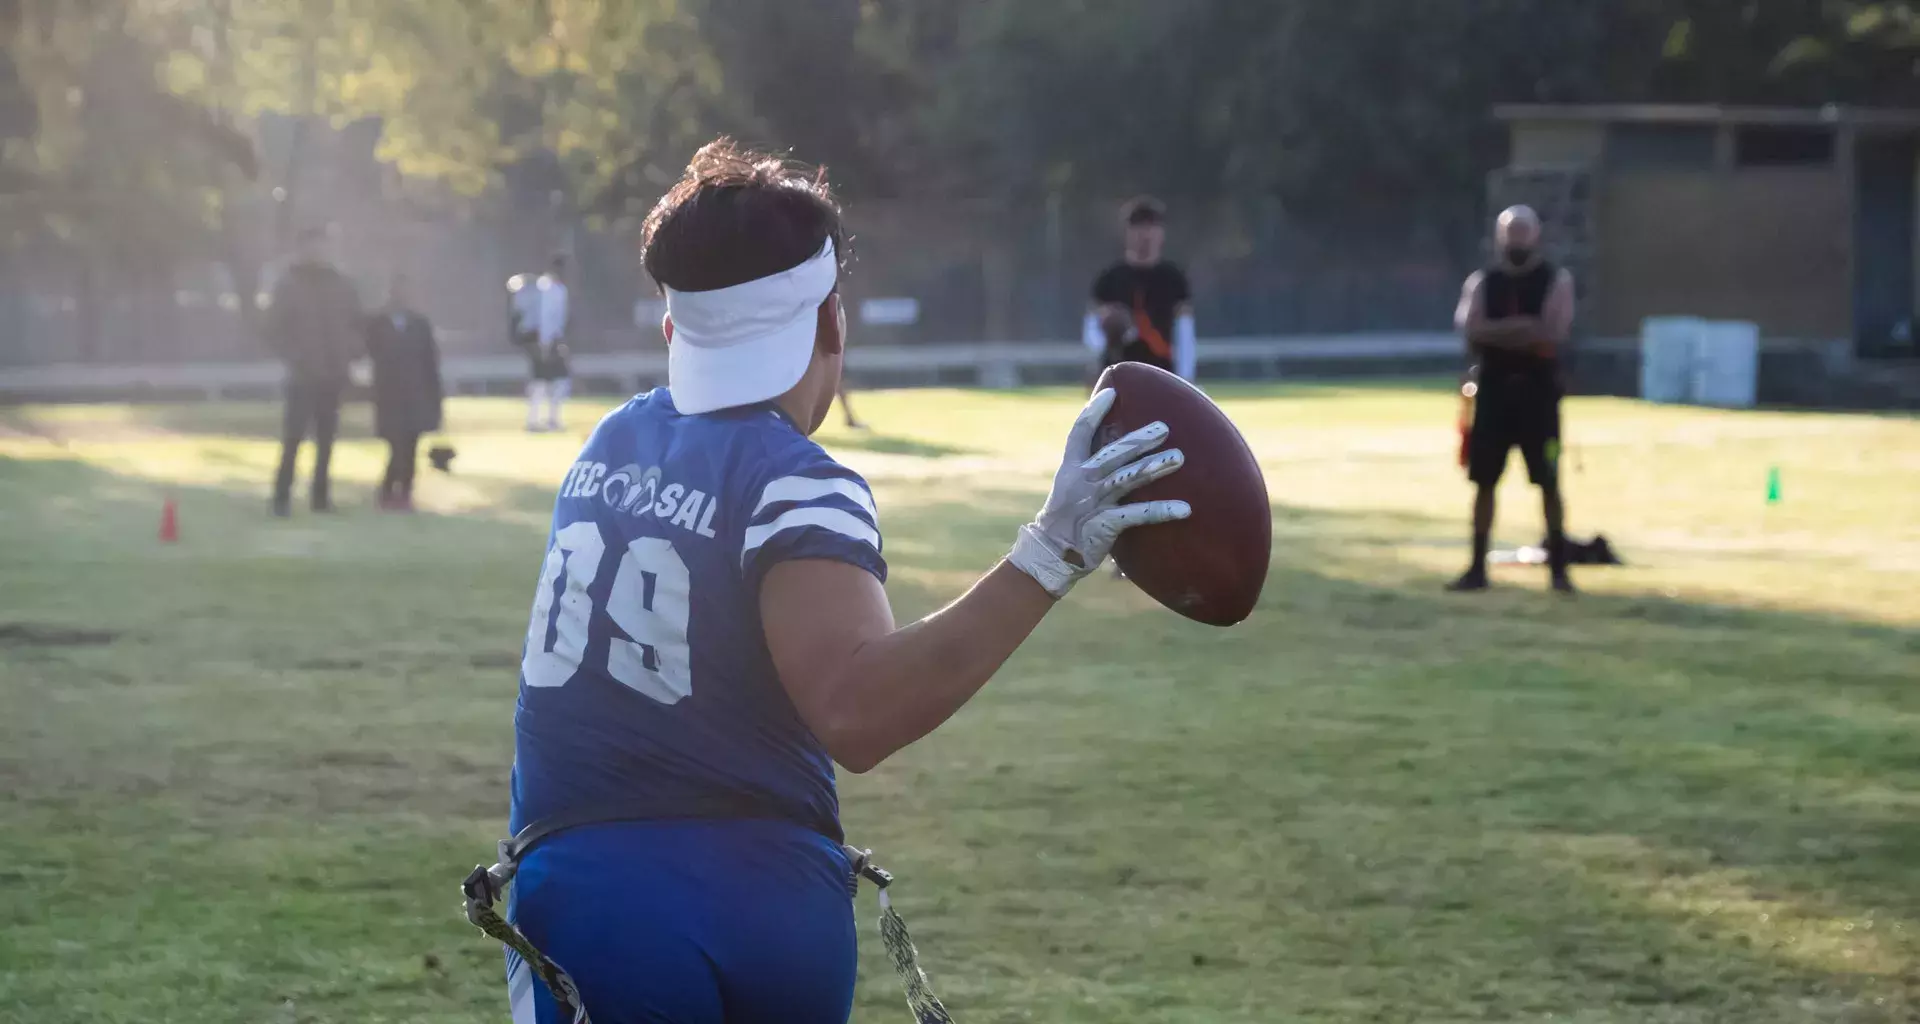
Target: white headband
(725, 317)
(750, 342)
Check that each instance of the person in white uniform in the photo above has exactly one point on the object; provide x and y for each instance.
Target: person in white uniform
(540, 317)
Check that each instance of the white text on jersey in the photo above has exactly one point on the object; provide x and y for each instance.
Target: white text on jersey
(638, 491)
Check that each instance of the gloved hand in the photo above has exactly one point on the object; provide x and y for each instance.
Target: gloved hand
(1083, 516)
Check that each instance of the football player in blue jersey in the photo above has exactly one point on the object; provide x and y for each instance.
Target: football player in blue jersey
(710, 634)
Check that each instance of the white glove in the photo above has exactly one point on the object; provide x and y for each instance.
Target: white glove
(1083, 517)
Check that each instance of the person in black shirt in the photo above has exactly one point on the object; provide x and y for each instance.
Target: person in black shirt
(314, 326)
(1515, 315)
(846, 407)
(1142, 309)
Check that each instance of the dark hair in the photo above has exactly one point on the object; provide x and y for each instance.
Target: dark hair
(1143, 210)
(737, 216)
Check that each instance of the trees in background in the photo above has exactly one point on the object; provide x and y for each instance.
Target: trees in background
(1327, 103)
(132, 131)
(110, 177)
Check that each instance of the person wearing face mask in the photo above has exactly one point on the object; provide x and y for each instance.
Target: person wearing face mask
(1515, 315)
(406, 388)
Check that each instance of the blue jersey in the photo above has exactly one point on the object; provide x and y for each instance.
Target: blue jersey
(646, 685)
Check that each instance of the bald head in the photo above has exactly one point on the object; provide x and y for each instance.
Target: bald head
(1517, 234)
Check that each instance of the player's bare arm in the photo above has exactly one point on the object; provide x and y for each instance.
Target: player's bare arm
(867, 689)
(1556, 318)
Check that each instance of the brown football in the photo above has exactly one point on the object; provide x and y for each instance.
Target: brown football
(1210, 566)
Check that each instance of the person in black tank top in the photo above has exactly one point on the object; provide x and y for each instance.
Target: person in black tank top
(1515, 315)
(1506, 295)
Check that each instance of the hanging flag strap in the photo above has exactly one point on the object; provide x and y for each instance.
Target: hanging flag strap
(926, 1007)
(484, 889)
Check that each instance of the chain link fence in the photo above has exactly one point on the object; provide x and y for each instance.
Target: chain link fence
(981, 270)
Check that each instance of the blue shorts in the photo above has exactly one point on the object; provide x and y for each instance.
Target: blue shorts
(688, 922)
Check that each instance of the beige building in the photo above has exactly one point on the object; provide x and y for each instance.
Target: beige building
(1802, 220)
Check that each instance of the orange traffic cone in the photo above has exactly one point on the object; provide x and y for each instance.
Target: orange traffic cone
(169, 521)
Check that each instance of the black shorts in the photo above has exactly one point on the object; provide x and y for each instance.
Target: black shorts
(1528, 422)
(1134, 352)
(548, 364)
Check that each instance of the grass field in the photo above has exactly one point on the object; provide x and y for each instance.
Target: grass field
(241, 776)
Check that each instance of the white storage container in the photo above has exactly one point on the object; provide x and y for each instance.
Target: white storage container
(1705, 362)
(1726, 364)
(1667, 345)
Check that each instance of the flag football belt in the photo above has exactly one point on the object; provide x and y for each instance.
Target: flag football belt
(484, 888)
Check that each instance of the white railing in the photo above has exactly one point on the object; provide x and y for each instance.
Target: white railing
(989, 364)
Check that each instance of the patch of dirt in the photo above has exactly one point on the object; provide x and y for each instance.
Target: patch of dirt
(358, 759)
(330, 664)
(32, 634)
(64, 432)
(11, 430)
(494, 659)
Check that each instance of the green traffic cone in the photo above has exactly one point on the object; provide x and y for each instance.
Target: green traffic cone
(1773, 485)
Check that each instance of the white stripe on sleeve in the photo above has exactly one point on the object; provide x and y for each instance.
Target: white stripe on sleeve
(837, 520)
(807, 488)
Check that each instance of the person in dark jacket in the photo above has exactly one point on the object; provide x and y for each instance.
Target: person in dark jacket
(406, 389)
(314, 327)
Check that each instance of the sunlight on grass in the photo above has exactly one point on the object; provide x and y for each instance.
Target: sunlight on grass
(1730, 906)
(1680, 491)
(244, 771)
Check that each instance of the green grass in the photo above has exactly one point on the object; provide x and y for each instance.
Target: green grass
(241, 776)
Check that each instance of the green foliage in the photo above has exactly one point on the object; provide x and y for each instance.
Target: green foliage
(1894, 24)
(127, 170)
(1793, 52)
(1341, 108)
(134, 116)
(1325, 103)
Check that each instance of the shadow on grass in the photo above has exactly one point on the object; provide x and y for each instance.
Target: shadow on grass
(1508, 801)
(261, 421)
(1232, 389)
(888, 445)
(1691, 756)
(250, 420)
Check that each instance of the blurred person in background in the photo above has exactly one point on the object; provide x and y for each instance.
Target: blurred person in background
(1142, 307)
(542, 314)
(406, 389)
(314, 326)
(523, 318)
(523, 311)
(846, 408)
(1515, 315)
